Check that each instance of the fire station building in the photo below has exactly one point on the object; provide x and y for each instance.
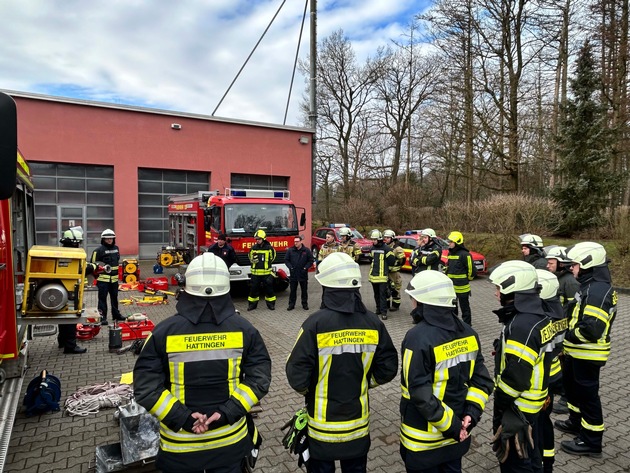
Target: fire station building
(102, 165)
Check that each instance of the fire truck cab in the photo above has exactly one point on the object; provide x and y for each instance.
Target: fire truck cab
(196, 220)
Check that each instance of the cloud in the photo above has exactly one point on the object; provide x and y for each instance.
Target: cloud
(180, 56)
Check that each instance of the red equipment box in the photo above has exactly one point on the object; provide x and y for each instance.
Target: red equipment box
(157, 284)
(136, 330)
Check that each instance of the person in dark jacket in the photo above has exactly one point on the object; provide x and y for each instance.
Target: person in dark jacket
(340, 352)
(299, 260)
(445, 383)
(200, 372)
(428, 253)
(261, 256)
(532, 249)
(223, 250)
(382, 259)
(521, 367)
(107, 256)
(461, 269)
(587, 348)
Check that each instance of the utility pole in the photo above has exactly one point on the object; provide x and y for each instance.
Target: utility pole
(313, 97)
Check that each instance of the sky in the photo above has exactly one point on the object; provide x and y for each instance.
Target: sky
(182, 56)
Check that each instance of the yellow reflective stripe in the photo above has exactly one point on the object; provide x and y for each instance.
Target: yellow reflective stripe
(176, 375)
(366, 359)
(597, 313)
(245, 396)
(591, 427)
(420, 440)
(579, 336)
(477, 396)
(183, 442)
(446, 420)
(335, 433)
(573, 408)
(347, 337)
(457, 276)
(556, 367)
(404, 379)
(521, 351)
(506, 388)
(163, 405)
(321, 390)
(549, 453)
(454, 349)
(462, 289)
(469, 263)
(204, 341)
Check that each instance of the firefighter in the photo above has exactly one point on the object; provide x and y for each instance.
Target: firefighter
(107, 256)
(299, 259)
(261, 256)
(348, 245)
(552, 306)
(340, 352)
(67, 336)
(329, 247)
(428, 253)
(445, 383)
(200, 372)
(223, 250)
(382, 259)
(394, 277)
(532, 249)
(460, 268)
(520, 372)
(586, 349)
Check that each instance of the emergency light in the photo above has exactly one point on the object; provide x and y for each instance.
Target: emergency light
(260, 193)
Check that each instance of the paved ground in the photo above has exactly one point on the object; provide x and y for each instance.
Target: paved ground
(58, 443)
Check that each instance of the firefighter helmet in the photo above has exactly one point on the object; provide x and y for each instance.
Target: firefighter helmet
(260, 234)
(531, 240)
(376, 235)
(432, 288)
(108, 233)
(514, 276)
(345, 231)
(339, 270)
(207, 276)
(558, 253)
(389, 234)
(456, 237)
(587, 254)
(73, 234)
(549, 284)
(430, 233)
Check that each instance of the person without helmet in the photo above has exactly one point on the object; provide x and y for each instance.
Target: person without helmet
(262, 255)
(521, 368)
(329, 247)
(67, 336)
(532, 249)
(223, 250)
(382, 259)
(586, 349)
(200, 372)
(394, 277)
(299, 259)
(460, 268)
(348, 245)
(340, 351)
(108, 256)
(444, 390)
(428, 253)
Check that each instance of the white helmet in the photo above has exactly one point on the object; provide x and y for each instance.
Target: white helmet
(73, 234)
(432, 288)
(531, 240)
(558, 253)
(207, 276)
(428, 232)
(339, 270)
(389, 234)
(108, 233)
(549, 284)
(514, 276)
(376, 235)
(345, 231)
(587, 254)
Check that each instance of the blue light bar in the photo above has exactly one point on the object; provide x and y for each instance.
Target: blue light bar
(278, 195)
(237, 193)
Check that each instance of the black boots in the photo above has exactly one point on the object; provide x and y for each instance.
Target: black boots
(252, 306)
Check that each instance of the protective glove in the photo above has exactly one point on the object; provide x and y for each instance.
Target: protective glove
(514, 429)
(255, 259)
(296, 438)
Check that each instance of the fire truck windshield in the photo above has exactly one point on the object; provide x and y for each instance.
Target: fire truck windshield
(275, 219)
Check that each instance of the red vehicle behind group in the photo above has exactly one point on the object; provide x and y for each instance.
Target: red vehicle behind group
(196, 220)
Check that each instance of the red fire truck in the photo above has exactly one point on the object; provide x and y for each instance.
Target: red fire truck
(197, 219)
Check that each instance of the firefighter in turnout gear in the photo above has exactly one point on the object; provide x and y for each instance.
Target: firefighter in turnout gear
(586, 349)
(428, 253)
(331, 246)
(262, 255)
(445, 383)
(521, 367)
(341, 351)
(108, 256)
(348, 245)
(200, 372)
(394, 277)
(532, 249)
(382, 259)
(461, 270)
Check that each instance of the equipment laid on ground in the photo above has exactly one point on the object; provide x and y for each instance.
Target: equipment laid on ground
(42, 395)
(171, 256)
(90, 329)
(136, 326)
(129, 271)
(156, 284)
(115, 337)
(90, 399)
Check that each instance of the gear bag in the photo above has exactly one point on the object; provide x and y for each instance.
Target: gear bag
(42, 395)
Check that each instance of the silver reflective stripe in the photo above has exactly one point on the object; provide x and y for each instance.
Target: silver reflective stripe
(206, 355)
(338, 350)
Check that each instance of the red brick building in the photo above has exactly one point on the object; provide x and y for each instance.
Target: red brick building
(108, 166)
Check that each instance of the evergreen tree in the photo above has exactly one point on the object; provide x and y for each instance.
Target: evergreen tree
(585, 151)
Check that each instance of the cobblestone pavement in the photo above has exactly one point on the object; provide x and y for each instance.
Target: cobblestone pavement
(59, 443)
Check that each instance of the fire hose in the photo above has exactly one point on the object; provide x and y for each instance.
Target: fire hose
(90, 399)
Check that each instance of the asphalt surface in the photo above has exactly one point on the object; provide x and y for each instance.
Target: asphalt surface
(59, 443)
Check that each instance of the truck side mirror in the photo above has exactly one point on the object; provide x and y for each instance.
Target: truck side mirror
(303, 219)
(8, 146)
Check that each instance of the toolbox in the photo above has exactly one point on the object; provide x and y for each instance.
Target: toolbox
(157, 284)
(134, 330)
